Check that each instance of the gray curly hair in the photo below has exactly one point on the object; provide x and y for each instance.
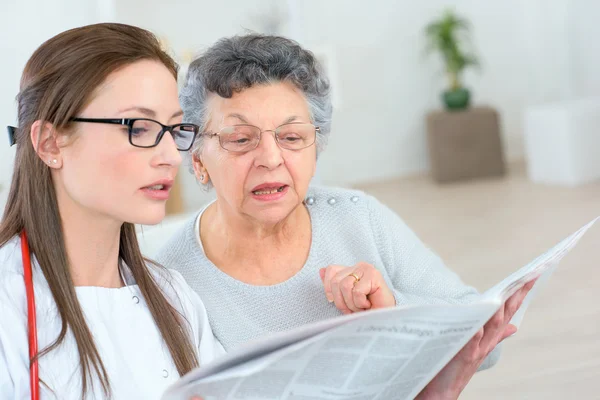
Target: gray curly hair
(240, 62)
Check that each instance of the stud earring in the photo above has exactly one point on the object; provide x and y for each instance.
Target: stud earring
(202, 177)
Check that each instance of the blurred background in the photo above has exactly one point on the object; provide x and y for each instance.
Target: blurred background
(488, 145)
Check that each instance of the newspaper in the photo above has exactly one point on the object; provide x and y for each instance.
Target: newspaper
(380, 354)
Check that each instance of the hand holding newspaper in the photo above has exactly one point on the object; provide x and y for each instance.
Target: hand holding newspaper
(381, 354)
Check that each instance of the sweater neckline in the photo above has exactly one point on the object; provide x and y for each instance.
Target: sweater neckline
(194, 232)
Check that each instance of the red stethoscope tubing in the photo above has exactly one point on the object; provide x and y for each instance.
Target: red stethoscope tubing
(31, 318)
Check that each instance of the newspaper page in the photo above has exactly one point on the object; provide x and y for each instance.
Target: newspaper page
(381, 354)
(386, 354)
(541, 267)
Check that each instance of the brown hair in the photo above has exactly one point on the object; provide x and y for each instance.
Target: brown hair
(57, 83)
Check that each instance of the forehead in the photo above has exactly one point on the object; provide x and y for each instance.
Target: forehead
(147, 84)
(272, 103)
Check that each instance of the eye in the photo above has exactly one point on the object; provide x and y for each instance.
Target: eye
(290, 137)
(143, 127)
(135, 131)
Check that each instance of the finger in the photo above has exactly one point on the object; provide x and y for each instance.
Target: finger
(471, 351)
(532, 283)
(330, 272)
(322, 274)
(362, 289)
(379, 294)
(508, 332)
(528, 286)
(513, 304)
(493, 329)
(336, 291)
(347, 288)
(366, 286)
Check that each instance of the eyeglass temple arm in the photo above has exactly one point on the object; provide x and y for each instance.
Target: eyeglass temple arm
(12, 135)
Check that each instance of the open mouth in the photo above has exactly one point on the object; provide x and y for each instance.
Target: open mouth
(272, 190)
(158, 187)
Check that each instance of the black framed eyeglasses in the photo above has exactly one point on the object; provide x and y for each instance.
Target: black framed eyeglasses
(146, 133)
(243, 138)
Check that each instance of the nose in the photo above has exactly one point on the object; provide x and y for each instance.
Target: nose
(166, 152)
(268, 152)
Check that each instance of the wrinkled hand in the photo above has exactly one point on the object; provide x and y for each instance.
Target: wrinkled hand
(369, 291)
(454, 377)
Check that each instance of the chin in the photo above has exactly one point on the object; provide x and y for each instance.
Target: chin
(147, 215)
(273, 216)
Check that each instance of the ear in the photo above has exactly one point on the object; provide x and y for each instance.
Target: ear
(199, 171)
(44, 140)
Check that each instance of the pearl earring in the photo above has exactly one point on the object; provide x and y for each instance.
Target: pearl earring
(202, 177)
(52, 161)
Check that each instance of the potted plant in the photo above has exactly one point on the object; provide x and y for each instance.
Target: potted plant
(448, 36)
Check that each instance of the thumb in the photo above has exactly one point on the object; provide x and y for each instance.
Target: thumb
(508, 332)
(322, 273)
(381, 298)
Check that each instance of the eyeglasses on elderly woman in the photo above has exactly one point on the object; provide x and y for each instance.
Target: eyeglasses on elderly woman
(244, 137)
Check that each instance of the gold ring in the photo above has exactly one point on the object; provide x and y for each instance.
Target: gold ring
(355, 277)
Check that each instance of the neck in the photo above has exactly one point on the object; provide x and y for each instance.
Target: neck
(245, 239)
(92, 244)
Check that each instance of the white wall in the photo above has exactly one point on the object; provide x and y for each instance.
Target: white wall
(387, 84)
(531, 51)
(193, 25)
(25, 25)
(384, 84)
(583, 37)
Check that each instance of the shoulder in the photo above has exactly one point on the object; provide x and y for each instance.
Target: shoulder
(341, 204)
(11, 264)
(10, 257)
(175, 289)
(180, 246)
(13, 323)
(336, 200)
(170, 282)
(12, 285)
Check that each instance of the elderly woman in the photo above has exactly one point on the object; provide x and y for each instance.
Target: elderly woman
(273, 252)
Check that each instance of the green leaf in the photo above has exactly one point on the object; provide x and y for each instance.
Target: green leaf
(448, 36)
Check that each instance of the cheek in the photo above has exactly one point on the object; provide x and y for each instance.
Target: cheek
(301, 166)
(100, 176)
(228, 172)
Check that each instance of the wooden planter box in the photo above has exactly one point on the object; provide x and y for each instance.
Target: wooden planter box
(465, 144)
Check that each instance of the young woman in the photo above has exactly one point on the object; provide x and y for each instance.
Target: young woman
(82, 313)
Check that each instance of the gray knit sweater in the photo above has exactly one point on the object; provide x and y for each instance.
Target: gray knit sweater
(347, 227)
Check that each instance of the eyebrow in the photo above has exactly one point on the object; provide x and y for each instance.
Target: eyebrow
(291, 119)
(245, 121)
(148, 112)
(238, 116)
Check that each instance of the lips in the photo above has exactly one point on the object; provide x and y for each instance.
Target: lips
(164, 184)
(155, 187)
(269, 188)
(269, 191)
(158, 190)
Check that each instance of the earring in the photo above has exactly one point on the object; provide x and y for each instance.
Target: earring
(202, 177)
(52, 161)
